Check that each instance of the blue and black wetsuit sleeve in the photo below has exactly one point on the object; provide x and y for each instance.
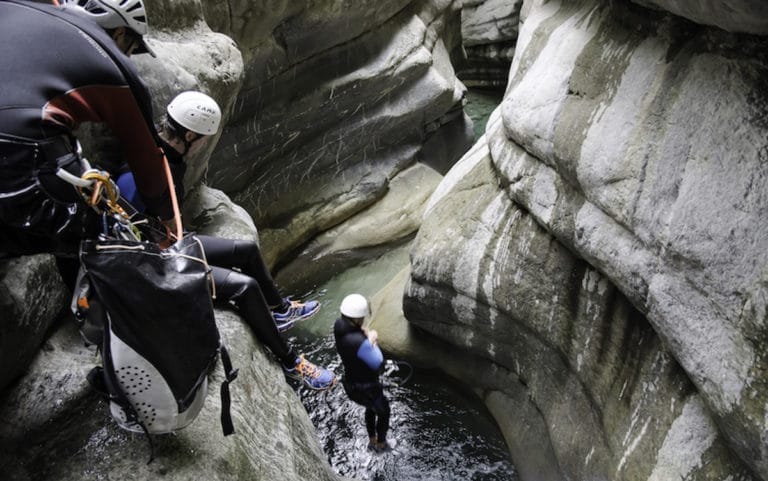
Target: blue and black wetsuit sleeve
(371, 355)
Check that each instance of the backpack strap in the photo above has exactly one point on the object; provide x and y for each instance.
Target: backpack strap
(230, 375)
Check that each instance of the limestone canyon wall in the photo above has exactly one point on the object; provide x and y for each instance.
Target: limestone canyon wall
(338, 97)
(601, 252)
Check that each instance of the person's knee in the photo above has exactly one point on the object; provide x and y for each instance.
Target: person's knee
(247, 249)
(247, 287)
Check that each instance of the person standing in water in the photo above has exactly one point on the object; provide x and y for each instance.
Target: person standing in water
(363, 361)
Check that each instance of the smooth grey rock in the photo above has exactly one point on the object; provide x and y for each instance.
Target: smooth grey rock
(211, 212)
(489, 21)
(324, 121)
(523, 428)
(550, 328)
(489, 35)
(671, 208)
(748, 16)
(390, 222)
(31, 297)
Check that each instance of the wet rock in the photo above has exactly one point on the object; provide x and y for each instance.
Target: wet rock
(660, 208)
(32, 295)
(391, 221)
(325, 120)
(608, 243)
(541, 329)
(489, 34)
(211, 212)
(54, 426)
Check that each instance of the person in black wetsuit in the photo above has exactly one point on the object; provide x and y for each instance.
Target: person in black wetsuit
(363, 361)
(191, 118)
(61, 67)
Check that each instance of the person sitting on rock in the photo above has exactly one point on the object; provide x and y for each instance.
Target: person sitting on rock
(239, 272)
(363, 361)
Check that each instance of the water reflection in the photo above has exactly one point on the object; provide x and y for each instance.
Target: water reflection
(440, 432)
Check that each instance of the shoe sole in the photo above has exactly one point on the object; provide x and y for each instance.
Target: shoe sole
(285, 326)
(292, 322)
(296, 377)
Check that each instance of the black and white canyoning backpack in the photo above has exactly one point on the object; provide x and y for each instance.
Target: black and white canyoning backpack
(150, 312)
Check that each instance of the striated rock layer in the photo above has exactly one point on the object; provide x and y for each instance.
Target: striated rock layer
(489, 34)
(602, 250)
(336, 100)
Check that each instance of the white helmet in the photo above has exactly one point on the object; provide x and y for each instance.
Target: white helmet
(354, 306)
(196, 111)
(111, 14)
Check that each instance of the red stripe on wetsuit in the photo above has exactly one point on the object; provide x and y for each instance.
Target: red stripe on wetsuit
(115, 106)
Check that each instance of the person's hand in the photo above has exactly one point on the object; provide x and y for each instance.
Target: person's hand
(170, 233)
(373, 336)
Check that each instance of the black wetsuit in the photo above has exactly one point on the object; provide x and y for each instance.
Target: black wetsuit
(362, 364)
(251, 289)
(60, 70)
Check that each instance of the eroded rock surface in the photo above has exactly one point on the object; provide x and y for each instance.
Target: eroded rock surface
(55, 426)
(489, 34)
(607, 244)
(336, 101)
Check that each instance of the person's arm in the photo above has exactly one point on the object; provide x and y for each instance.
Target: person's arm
(371, 355)
(116, 107)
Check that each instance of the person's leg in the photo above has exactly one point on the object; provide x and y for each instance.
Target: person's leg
(358, 394)
(381, 408)
(370, 424)
(245, 256)
(246, 294)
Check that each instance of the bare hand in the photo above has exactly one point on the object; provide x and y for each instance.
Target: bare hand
(373, 336)
(170, 237)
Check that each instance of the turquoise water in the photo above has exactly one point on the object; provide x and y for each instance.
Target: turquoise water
(441, 431)
(480, 104)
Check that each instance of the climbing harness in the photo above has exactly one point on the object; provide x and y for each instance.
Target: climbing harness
(100, 192)
(119, 219)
